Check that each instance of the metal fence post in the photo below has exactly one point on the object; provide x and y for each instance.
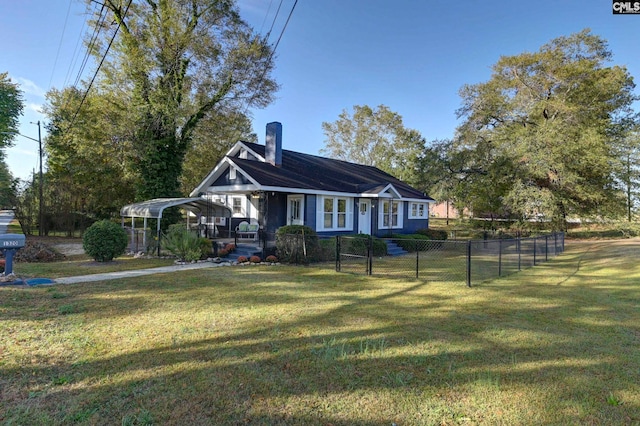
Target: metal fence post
(500, 257)
(546, 248)
(469, 263)
(370, 255)
(519, 245)
(337, 253)
(417, 261)
(535, 249)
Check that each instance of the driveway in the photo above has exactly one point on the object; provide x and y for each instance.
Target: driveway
(6, 216)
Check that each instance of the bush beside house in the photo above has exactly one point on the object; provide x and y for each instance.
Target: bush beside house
(104, 240)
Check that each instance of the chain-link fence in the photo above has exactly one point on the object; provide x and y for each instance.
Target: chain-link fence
(446, 261)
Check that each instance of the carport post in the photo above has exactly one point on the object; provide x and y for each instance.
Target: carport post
(133, 232)
(144, 236)
(158, 235)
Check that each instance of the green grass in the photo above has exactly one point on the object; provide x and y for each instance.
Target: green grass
(83, 265)
(555, 344)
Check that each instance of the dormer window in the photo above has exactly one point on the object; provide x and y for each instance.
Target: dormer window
(243, 153)
(232, 173)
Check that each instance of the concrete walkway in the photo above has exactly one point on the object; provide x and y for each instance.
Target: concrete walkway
(6, 216)
(135, 273)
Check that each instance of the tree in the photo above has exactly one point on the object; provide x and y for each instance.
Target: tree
(212, 139)
(628, 170)
(88, 172)
(375, 137)
(11, 107)
(180, 61)
(538, 133)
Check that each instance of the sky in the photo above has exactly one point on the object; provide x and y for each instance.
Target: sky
(411, 55)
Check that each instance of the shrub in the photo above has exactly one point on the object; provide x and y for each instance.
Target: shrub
(358, 243)
(206, 246)
(297, 244)
(327, 250)
(255, 259)
(230, 248)
(271, 259)
(182, 243)
(223, 253)
(434, 234)
(242, 259)
(104, 240)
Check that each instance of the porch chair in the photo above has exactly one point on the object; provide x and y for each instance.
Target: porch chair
(246, 230)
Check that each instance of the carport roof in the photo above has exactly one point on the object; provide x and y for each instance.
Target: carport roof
(154, 208)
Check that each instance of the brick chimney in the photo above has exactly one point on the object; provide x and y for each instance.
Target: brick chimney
(273, 144)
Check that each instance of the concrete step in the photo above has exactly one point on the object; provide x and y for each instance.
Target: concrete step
(245, 250)
(394, 249)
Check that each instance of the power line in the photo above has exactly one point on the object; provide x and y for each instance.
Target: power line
(115, 33)
(91, 44)
(274, 19)
(55, 62)
(74, 56)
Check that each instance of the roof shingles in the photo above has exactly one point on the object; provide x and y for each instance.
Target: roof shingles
(312, 172)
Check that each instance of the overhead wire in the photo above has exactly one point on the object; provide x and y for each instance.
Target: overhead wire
(64, 28)
(74, 56)
(104, 56)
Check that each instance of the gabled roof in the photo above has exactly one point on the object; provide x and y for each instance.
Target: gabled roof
(313, 173)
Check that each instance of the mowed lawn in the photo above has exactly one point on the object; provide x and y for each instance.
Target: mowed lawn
(555, 344)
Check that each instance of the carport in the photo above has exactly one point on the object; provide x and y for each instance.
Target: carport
(153, 209)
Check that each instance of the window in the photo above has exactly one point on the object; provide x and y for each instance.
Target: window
(342, 213)
(237, 205)
(335, 213)
(328, 213)
(243, 153)
(391, 214)
(232, 173)
(418, 211)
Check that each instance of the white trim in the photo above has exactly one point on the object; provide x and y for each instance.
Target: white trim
(235, 149)
(389, 188)
(290, 198)
(400, 214)
(348, 213)
(425, 211)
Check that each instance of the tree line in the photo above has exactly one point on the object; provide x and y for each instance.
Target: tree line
(552, 134)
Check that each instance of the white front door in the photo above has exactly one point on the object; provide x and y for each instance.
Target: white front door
(364, 217)
(295, 210)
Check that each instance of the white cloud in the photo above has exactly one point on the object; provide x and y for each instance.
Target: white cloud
(29, 87)
(35, 107)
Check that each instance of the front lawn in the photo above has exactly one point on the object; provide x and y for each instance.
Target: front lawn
(555, 344)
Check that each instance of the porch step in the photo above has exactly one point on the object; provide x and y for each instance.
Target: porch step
(245, 250)
(394, 249)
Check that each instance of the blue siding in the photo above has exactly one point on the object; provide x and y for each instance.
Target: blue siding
(224, 180)
(310, 203)
(412, 225)
(276, 215)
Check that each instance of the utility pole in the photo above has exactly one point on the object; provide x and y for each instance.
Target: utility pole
(40, 155)
(40, 215)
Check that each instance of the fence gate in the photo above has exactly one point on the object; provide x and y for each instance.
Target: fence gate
(353, 254)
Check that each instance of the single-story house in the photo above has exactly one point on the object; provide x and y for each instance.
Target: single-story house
(272, 187)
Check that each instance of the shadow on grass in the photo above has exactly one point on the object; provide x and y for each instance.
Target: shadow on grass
(308, 346)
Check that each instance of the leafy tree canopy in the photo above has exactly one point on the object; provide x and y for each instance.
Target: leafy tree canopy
(537, 137)
(375, 137)
(179, 62)
(11, 107)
